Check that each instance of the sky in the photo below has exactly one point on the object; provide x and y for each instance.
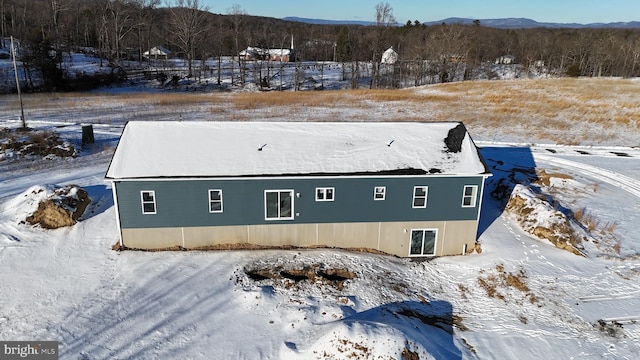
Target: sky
(562, 11)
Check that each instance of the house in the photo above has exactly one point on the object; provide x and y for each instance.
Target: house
(157, 52)
(389, 56)
(506, 59)
(256, 53)
(408, 189)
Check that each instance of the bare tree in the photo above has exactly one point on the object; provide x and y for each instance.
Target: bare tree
(122, 22)
(237, 15)
(384, 19)
(3, 26)
(56, 7)
(188, 23)
(144, 21)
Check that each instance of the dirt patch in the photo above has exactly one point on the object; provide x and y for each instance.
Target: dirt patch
(40, 143)
(544, 177)
(246, 246)
(611, 328)
(315, 273)
(538, 217)
(409, 355)
(63, 208)
(441, 322)
(493, 284)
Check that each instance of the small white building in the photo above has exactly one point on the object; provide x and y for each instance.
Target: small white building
(157, 52)
(389, 56)
(506, 59)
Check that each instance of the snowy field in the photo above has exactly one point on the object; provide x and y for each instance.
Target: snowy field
(520, 298)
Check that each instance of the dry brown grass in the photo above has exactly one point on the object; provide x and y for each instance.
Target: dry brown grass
(504, 280)
(564, 111)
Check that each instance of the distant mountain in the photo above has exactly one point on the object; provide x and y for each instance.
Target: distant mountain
(524, 23)
(506, 23)
(328, 22)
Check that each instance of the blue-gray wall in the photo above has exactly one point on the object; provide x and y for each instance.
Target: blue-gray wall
(183, 203)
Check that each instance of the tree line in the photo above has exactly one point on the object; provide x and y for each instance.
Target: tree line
(124, 29)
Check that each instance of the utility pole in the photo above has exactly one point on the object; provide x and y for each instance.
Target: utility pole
(15, 71)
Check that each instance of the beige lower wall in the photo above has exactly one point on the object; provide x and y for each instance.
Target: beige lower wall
(152, 238)
(349, 235)
(389, 237)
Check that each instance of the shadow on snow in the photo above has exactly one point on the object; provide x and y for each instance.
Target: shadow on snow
(510, 166)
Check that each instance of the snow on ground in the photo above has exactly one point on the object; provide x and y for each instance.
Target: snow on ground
(520, 298)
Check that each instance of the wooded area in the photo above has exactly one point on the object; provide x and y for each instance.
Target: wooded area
(124, 29)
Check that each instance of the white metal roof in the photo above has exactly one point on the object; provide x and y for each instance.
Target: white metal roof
(154, 149)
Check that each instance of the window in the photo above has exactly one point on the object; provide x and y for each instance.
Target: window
(379, 192)
(423, 242)
(325, 194)
(215, 201)
(420, 196)
(469, 196)
(278, 204)
(148, 199)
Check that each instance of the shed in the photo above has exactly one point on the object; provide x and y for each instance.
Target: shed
(157, 52)
(404, 188)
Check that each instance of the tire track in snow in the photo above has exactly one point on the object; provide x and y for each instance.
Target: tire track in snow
(603, 297)
(618, 180)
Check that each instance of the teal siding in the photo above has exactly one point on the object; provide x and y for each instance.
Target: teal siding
(183, 203)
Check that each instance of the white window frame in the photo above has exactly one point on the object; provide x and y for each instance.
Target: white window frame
(379, 190)
(414, 197)
(291, 192)
(153, 201)
(211, 201)
(472, 197)
(322, 192)
(435, 241)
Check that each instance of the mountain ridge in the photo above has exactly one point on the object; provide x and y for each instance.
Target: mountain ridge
(501, 23)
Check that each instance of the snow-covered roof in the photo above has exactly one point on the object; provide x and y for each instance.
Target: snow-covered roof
(157, 50)
(256, 51)
(154, 149)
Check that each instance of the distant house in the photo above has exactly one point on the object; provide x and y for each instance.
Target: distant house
(255, 53)
(408, 189)
(389, 56)
(157, 52)
(506, 59)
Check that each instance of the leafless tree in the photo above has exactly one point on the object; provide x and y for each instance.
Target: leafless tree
(237, 17)
(188, 20)
(384, 19)
(144, 18)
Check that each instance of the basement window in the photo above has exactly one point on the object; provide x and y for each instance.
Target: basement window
(325, 194)
(423, 242)
(215, 201)
(469, 195)
(420, 196)
(148, 199)
(379, 192)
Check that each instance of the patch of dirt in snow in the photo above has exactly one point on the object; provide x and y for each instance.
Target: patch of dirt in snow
(49, 206)
(538, 217)
(20, 143)
(493, 284)
(352, 306)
